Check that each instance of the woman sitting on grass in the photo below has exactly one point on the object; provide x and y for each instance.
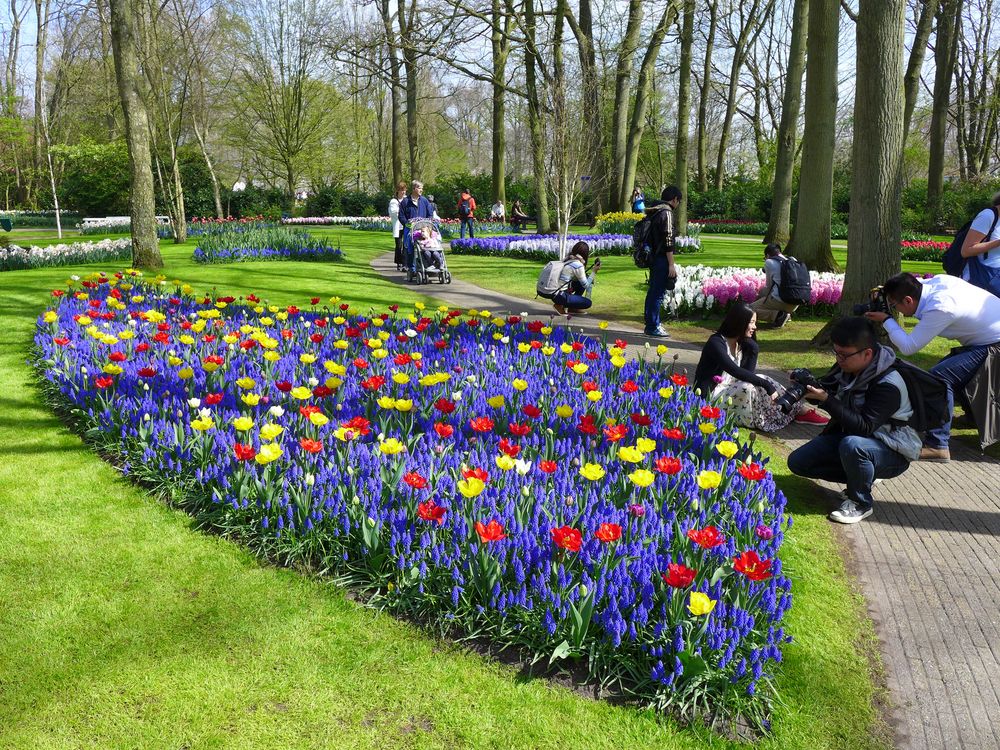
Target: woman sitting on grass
(727, 370)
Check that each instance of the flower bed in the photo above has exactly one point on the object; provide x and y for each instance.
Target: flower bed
(923, 250)
(701, 289)
(450, 228)
(493, 476)
(331, 220)
(742, 226)
(546, 246)
(106, 226)
(14, 258)
(235, 243)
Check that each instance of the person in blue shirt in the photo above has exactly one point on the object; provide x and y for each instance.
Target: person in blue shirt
(413, 206)
(638, 201)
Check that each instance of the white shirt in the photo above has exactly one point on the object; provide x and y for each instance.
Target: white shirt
(953, 309)
(982, 223)
(772, 275)
(397, 227)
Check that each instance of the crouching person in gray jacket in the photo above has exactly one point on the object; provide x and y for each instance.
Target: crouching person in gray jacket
(868, 436)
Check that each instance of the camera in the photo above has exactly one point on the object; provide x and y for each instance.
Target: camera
(801, 377)
(878, 302)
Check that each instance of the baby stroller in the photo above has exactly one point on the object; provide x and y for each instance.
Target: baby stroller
(425, 254)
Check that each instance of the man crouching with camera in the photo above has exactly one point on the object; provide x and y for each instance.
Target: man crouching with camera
(868, 436)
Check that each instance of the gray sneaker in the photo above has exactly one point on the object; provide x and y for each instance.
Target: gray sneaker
(851, 512)
(658, 333)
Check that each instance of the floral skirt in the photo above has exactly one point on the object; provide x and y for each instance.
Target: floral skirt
(752, 405)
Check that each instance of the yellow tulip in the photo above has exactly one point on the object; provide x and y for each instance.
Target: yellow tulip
(471, 487)
(301, 393)
(185, 373)
(50, 316)
(709, 480)
(630, 454)
(618, 361)
(404, 404)
(548, 351)
(519, 384)
(250, 399)
(593, 472)
(391, 447)
(603, 325)
(727, 448)
(246, 383)
(505, 462)
(345, 434)
(174, 361)
(523, 347)
(661, 350)
(642, 477)
(580, 368)
(333, 383)
(203, 424)
(594, 396)
(495, 401)
(271, 431)
(318, 418)
(272, 356)
(242, 423)
(306, 358)
(387, 402)
(340, 344)
(334, 368)
(699, 604)
(565, 348)
(400, 377)
(564, 411)
(268, 453)
(380, 353)
(707, 428)
(645, 445)
(666, 392)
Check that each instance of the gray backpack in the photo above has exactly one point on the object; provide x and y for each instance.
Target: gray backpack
(548, 280)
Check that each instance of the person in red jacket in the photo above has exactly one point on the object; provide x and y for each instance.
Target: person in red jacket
(466, 212)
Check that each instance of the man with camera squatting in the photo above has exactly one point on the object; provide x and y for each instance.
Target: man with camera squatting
(954, 309)
(868, 436)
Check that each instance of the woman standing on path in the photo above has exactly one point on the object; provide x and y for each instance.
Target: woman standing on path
(399, 255)
(727, 370)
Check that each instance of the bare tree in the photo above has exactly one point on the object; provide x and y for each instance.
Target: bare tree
(684, 112)
(911, 80)
(706, 89)
(948, 22)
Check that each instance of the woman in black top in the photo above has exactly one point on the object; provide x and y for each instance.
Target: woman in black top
(727, 370)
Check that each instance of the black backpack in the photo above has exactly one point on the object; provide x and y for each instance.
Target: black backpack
(643, 243)
(953, 262)
(795, 286)
(928, 396)
(464, 209)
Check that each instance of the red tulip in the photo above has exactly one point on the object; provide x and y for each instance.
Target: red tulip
(643, 420)
(431, 511)
(750, 565)
(443, 429)
(567, 538)
(244, 452)
(707, 537)
(311, 446)
(520, 430)
(615, 432)
(444, 406)
(415, 481)
(548, 466)
(668, 465)
(674, 433)
(481, 424)
(147, 372)
(103, 382)
(679, 379)
(509, 448)
(608, 532)
(491, 532)
(679, 576)
(531, 411)
(359, 425)
(475, 472)
(711, 412)
(211, 399)
(630, 386)
(752, 471)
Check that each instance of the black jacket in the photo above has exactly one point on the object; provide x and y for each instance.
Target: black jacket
(715, 360)
(664, 226)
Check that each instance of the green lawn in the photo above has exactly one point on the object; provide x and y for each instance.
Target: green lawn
(125, 627)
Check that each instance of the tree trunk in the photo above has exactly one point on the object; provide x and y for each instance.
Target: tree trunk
(142, 205)
(211, 170)
(500, 40)
(911, 81)
(747, 34)
(619, 116)
(395, 145)
(811, 238)
(684, 114)
(592, 105)
(638, 122)
(412, 74)
(877, 169)
(535, 124)
(706, 88)
(41, 36)
(778, 228)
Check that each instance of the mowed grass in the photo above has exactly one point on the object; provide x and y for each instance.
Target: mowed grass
(125, 627)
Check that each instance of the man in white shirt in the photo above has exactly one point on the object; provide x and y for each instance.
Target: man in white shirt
(953, 309)
(770, 308)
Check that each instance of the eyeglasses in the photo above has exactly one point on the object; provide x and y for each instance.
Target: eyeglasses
(842, 357)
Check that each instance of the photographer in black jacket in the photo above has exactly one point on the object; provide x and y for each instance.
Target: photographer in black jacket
(868, 436)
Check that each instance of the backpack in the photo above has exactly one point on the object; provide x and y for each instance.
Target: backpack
(642, 243)
(794, 285)
(548, 280)
(952, 261)
(464, 208)
(928, 396)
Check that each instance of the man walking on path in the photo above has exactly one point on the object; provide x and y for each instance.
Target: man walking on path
(466, 212)
(662, 271)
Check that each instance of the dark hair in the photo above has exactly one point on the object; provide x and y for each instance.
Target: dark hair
(903, 285)
(581, 249)
(669, 193)
(734, 325)
(772, 249)
(857, 332)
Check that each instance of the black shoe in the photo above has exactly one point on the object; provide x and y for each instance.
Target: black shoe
(781, 318)
(851, 512)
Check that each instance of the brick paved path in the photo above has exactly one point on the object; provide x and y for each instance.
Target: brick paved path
(927, 561)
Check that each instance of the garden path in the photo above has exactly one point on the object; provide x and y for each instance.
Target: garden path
(925, 562)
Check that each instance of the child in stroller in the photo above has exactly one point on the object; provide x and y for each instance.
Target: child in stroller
(428, 241)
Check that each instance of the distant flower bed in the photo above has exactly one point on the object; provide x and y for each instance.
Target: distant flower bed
(105, 226)
(14, 258)
(449, 227)
(702, 290)
(617, 222)
(546, 246)
(743, 226)
(234, 243)
(494, 476)
(42, 219)
(330, 220)
(928, 250)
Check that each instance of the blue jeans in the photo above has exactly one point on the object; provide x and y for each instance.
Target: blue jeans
(956, 370)
(658, 274)
(851, 459)
(572, 301)
(467, 221)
